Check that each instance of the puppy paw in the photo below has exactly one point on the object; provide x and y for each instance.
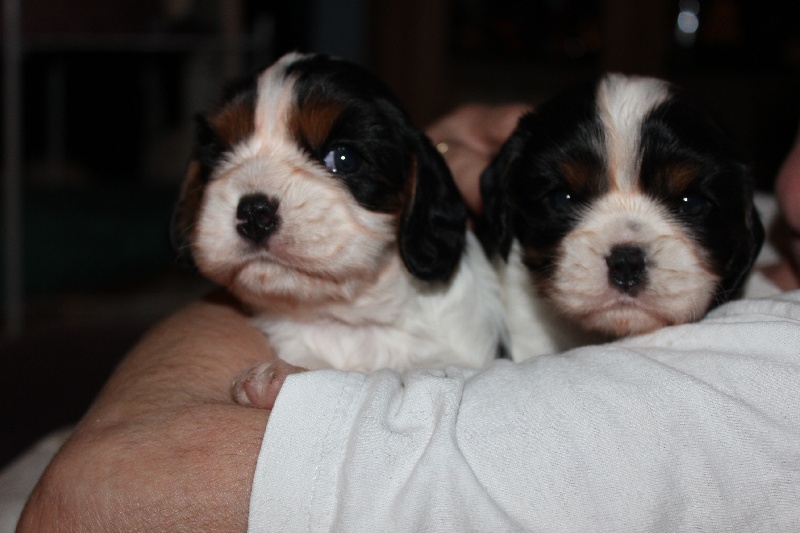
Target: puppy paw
(259, 386)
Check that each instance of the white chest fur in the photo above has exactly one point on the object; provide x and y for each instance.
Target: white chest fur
(400, 323)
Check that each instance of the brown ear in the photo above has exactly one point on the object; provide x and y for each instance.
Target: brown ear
(185, 214)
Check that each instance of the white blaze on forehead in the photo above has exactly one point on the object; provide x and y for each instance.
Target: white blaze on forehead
(274, 104)
(275, 97)
(623, 102)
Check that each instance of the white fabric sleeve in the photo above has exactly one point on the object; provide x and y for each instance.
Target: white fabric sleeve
(691, 428)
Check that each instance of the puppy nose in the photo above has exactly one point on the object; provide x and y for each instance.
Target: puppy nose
(258, 217)
(627, 268)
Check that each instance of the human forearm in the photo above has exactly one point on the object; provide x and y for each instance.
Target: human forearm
(163, 447)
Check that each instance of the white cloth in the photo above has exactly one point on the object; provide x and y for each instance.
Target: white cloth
(18, 479)
(691, 428)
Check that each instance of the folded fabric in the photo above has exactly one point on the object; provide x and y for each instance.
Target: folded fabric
(691, 428)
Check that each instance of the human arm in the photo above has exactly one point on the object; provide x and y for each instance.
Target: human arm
(163, 447)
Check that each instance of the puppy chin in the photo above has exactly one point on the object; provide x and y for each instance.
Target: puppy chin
(625, 319)
(266, 285)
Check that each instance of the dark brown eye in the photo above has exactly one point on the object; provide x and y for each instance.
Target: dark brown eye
(693, 205)
(342, 160)
(560, 200)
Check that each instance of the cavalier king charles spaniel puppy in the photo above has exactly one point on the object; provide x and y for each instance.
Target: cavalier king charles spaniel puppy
(312, 198)
(619, 208)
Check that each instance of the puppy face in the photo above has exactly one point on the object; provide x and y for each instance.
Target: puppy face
(633, 210)
(306, 182)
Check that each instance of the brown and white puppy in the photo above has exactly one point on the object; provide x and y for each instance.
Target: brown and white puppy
(314, 200)
(621, 208)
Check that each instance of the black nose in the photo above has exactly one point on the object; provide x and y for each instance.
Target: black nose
(258, 217)
(627, 270)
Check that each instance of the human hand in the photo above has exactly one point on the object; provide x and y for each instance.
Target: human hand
(164, 447)
(469, 137)
(787, 192)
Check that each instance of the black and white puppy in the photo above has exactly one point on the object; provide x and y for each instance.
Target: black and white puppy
(313, 199)
(621, 208)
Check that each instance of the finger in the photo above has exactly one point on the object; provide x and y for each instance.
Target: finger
(259, 386)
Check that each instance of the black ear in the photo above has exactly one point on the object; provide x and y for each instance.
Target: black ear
(207, 151)
(208, 146)
(433, 230)
(739, 266)
(493, 227)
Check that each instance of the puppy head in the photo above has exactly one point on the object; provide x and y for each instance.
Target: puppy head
(632, 208)
(306, 181)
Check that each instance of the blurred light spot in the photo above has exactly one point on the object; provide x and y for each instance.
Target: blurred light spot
(687, 23)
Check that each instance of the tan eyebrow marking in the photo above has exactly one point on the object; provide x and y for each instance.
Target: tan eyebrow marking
(679, 176)
(312, 123)
(235, 121)
(583, 176)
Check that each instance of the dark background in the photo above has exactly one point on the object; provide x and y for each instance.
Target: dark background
(110, 88)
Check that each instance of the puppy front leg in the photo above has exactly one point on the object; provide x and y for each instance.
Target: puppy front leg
(259, 386)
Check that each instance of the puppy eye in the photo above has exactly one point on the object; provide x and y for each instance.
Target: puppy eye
(560, 200)
(693, 205)
(342, 160)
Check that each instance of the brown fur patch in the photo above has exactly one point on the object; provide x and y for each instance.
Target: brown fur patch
(583, 176)
(678, 177)
(235, 121)
(312, 123)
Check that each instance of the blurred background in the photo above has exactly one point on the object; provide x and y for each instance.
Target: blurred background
(99, 98)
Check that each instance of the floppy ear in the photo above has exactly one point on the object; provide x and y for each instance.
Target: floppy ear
(493, 227)
(739, 266)
(207, 151)
(433, 229)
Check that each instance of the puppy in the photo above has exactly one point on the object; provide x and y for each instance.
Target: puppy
(313, 199)
(620, 208)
